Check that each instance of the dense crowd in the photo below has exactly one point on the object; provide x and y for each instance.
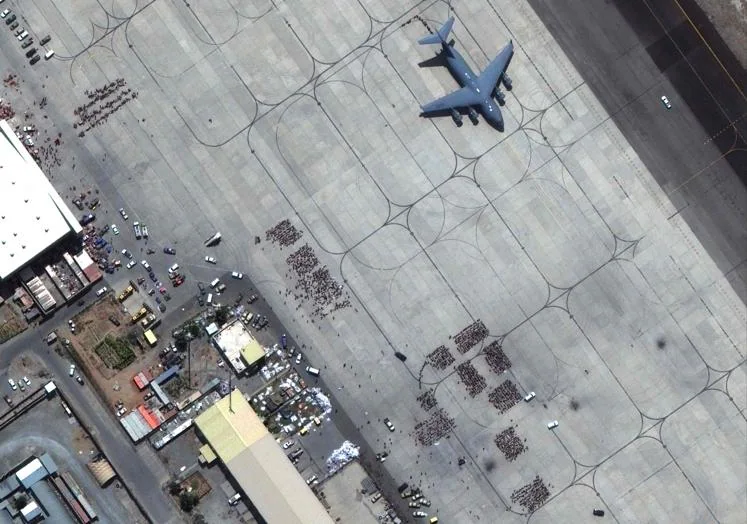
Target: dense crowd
(6, 111)
(434, 428)
(531, 496)
(314, 282)
(428, 400)
(505, 396)
(440, 358)
(510, 444)
(472, 380)
(103, 102)
(283, 233)
(496, 359)
(470, 336)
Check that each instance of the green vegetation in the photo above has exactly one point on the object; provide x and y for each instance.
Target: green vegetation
(116, 353)
(188, 500)
(194, 330)
(221, 315)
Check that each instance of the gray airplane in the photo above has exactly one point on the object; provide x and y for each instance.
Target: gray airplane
(477, 92)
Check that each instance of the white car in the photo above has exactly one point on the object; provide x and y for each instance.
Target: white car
(173, 269)
(12, 384)
(131, 264)
(71, 371)
(237, 275)
(122, 212)
(298, 359)
(5, 13)
(287, 444)
(26, 380)
(101, 291)
(145, 264)
(126, 253)
(665, 101)
(389, 424)
(552, 425)
(115, 229)
(144, 230)
(529, 396)
(210, 260)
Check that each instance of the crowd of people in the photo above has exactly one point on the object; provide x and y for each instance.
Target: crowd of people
(471, 378)
(470, 336)
(428, 400)
(510, 444)
(440, 358)
(314, 282)
(434, 428)
(103, 102)
(283, 233)
(505, 396)
(496, 359)
(531, 496)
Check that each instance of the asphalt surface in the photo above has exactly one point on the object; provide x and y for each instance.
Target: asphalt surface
(630, 53)
(134, 470)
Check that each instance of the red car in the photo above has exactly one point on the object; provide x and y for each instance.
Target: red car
(178, 281)
(162, 290)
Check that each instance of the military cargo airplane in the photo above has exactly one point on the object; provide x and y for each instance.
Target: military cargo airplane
(477, 92)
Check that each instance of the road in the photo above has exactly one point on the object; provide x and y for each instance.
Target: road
(135, 466)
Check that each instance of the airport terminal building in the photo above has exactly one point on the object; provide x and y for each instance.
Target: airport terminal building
(33, 216)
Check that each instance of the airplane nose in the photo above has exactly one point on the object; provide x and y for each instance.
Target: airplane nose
(496, 120)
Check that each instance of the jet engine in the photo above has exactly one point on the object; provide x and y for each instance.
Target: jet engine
(499, 97)
(506, 81)
(472, 114)
(456, 117)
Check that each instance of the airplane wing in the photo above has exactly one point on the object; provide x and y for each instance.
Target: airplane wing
(489, 78)
(464, 97)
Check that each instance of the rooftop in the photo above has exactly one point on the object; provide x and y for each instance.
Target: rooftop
(258, 464)
(33, 216)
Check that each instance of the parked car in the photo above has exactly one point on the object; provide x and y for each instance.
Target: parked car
(45, 40)
(210, 260)
(30, 52)
(115, 229)
(144, 230)
(78, 203)
(10, 19)
(137, 230)
(101, 291)
(169, 251)
(127, 253)
(71, 371)
(114, 320)
(5, 13)
(252, 299)
(145, 264)
(12, 384)
(79, 379)
(665, 101)
(88, 217)
(389, 424)
(237, 275)
(8, 400)
(131, 264)
(200, 300)
(13, 25)
(121, 209)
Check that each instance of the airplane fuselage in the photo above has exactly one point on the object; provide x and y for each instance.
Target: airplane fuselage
(463, 74)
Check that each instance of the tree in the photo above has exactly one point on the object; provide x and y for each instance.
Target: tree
(181, 344)
(194, 330)
(221, 315)
(20, 502)
(187, 501)
(175, 488)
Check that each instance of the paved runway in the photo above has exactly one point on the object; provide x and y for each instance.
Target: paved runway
(556, 234)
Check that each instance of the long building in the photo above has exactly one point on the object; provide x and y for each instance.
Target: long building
(258, 464)
(33, 216)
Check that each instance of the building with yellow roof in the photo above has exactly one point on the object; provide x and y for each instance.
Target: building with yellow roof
(257, 463)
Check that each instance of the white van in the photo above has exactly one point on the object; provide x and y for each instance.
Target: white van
(214, 282)
(312, 371)
(234, 500)
(49, 54)
(210, 299)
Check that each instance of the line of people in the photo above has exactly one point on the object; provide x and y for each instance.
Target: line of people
(470, 336)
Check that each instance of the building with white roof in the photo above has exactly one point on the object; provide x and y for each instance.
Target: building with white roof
(33, 216)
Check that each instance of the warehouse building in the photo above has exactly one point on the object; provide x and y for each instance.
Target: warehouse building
(33, 216)
(250, 454)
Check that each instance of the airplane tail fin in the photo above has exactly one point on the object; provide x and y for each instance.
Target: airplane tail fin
(440, 36)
